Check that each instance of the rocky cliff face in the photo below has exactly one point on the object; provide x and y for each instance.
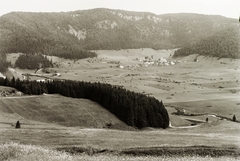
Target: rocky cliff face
(104, 29)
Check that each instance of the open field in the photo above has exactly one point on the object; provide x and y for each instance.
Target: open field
(206, 89)
(14, 151)
(59, 110)
(83, 122)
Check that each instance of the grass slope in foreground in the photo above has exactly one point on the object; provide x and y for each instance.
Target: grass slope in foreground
(60, 110)
(135, 109)
(19, 152)
(149, 144)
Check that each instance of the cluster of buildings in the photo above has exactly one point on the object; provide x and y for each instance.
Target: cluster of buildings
(39, 78)
(147, 61)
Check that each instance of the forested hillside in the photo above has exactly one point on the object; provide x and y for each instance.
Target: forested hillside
(33, 61)
(37, 33)
(3, 63)
(223, 44)
(70, 34)
(135, 109)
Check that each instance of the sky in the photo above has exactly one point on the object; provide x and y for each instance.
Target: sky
(227, 8)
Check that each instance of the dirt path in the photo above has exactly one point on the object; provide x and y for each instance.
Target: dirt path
(181, 127)
(17, 97)
(29, 96)
(122, 74)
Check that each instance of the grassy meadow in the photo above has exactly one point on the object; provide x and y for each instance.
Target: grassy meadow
(18, 152)
(51, 125)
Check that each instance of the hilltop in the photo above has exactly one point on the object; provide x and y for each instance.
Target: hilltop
(223, 44)
(70, 34)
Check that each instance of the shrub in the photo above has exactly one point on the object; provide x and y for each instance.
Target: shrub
(18, 125)
(234, 118)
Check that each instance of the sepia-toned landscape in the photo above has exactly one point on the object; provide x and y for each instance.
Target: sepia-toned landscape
(200, 93)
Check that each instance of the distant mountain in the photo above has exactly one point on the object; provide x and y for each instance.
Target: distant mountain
(223, 44)
(74, 32)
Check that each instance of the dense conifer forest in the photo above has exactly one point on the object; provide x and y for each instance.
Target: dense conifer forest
(33, 61)
(134, 109)
(223, 44)
(71, 34)
(31, 37)
(3, 63)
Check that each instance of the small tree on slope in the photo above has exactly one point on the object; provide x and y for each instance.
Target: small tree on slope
(234, 118)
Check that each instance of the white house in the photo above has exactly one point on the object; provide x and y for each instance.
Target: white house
(41, 80)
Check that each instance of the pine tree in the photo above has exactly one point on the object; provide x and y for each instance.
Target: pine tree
(234, 118)
(18, 125)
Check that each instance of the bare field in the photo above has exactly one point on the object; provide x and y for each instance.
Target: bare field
(209, 87)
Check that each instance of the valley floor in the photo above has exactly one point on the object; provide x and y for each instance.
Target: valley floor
(195, 90)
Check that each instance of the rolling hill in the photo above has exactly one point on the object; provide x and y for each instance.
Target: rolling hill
(58, 110)
(72, 33)
(223, 44)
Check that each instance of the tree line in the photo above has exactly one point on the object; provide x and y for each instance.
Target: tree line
(35, 38)
(135, 109)
(33, 61)
(4, 64)
(64, 35)
(223, 44)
